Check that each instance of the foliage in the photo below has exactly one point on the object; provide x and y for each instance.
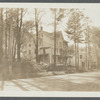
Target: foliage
(59, 14)
(75, 24)
(96, 35)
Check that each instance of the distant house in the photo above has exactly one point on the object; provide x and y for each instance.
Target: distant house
(88, 59)
(85, 62)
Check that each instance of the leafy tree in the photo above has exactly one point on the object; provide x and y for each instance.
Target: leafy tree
(13, 31)
(74, 28)
(95, 39)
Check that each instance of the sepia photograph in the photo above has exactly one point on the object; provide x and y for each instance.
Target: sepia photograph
(49, 47)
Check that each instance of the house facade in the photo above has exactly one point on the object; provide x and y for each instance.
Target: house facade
(28, 48)
(87, 60)
(46, 49)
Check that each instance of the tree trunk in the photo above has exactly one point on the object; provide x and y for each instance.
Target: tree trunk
(55, 40)
(1, 34)
(75, 56)
(19, 25)
(17, 33)
(6, 39)
(14, 49)
(86, 56)
(88, 49)
(9, 48)
(37, 42)
(78, 55)
(36, 25)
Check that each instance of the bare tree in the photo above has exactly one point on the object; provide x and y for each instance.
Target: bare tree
(36, 24)
(1, 34)
(19, 26)
(58, 15)
(38, 16)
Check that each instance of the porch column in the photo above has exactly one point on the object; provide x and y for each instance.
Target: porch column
(50, 55)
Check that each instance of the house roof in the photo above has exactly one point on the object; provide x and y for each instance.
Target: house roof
(51, 35)
(46, 33)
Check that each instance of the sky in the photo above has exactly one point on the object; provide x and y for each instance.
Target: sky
(92, 13)
(92, 10)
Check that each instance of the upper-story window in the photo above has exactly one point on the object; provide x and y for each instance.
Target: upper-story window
(29, 45)
(44, 51)
(60, 44)
(61, 51)
(80, 56)
(41, 35)
(57, 50)
(56, 43)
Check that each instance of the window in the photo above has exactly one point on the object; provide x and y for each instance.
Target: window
(80, 56)
(83, 64)
(29, 51)
(43, 51)
(61, 51)
(60, 44)
(29, 45)
(57, 50)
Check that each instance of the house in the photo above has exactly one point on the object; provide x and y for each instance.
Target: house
(28, 48)
(88, 59)
(46, 49)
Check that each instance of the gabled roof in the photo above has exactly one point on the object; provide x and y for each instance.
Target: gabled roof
(51, 35)
(60, 33)
(46, 33)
